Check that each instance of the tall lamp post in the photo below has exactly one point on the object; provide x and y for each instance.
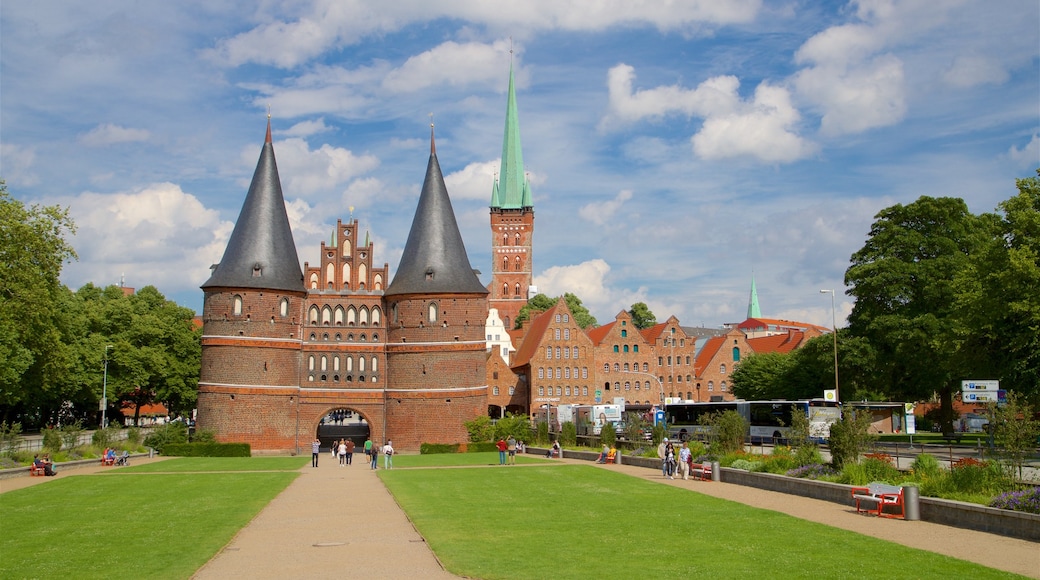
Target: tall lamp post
(104, 390)
(834, 331)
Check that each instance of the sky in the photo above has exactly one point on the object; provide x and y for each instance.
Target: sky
(676, 150)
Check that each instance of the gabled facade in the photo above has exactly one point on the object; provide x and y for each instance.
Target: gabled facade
(676, 354)
(715, 362)
(625, 362)
(555, 359)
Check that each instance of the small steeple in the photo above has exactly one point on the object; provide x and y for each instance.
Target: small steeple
(511, 190)
(261, 252)
(434, 258)
(753, 310)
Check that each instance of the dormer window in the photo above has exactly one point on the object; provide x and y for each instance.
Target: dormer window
(429, 274)
(257, 270)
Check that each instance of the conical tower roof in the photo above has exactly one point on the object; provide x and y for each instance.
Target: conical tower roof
(434, 259)
(261, 253)
(753, 310)
(511, 191)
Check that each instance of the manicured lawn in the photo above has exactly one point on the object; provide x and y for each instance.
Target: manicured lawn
(187, 464)
(127, 525)
(582, 522)
(453, 459)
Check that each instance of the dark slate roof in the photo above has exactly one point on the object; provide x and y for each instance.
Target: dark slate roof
(434, 259)
(261, 253)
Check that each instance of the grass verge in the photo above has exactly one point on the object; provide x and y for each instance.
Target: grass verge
(455, 459)
(583, 522)
(196, 464)
(135, 526)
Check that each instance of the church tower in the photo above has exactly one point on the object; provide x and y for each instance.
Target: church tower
(251, 315)
(436, 358)
(512, 224)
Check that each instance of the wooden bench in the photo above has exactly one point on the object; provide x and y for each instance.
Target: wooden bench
(876, 496)
(35, 471)
(108, 461)
(701, 471)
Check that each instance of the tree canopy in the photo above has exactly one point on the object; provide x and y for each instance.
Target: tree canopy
(541, 303)
(641, 315)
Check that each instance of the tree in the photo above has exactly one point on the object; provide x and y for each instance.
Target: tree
(997, 295)
(762, 376)
(902, 280)
(641, 315)
(541, 303)
(33, 248)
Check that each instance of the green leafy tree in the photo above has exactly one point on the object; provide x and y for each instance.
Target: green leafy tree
(762, 376)
(998, 298)
(1015, 430)
(516, 426)
(727, 431)
(641, 315)
(568, 433)
(902, 280)
(33, 249)
(480, 429)
(608, 434)
(850, 437)
(541, 303)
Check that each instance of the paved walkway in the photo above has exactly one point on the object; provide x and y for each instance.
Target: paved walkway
(335, 522)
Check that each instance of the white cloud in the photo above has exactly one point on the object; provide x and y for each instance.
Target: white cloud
(306, 172)
(159, 234)
(450, 63)
(970, 71)
(306, 128)
(16, 165)
(762, 127)
(473, 181)
(109, 134)
(599, 212)
(336, 23)
(1029, 155)
(588, 281)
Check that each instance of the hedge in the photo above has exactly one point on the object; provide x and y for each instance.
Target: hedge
(208, 449)
(482, 447)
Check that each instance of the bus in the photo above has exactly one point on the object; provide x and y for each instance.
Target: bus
(686, 420)
(768, 421)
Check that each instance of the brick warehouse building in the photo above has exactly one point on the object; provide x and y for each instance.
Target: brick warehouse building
(282, 347)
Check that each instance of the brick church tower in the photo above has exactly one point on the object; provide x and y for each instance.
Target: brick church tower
(436, 305)
(253, 306)
(512, 224)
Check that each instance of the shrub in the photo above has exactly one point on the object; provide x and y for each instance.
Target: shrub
(741, 464)
(10, 437)
(133, 436)
(568, 433)
(817, 471)
(481, 447)
(926, 467)
(869, 470)
(808, 455)
(435, 448)
(204, 436)
(106, 437)
(166, 434)
(727, 431)
(207, 449)
(658, 433)
(480, 429)
(608, 435)
(850, 437)
(1027, 501)
(542, 436)
(52, 440)
(70, 434)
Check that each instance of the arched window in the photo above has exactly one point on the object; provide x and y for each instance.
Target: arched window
(326, 316)
(330, 274)
(505, 290)
(722, 386)
(505, 239)
(363, 316)
(722, 369)
(375, 364)
(646, 367)
(541, 372)
(362, 275)
(312, 315)
(517, 264)
(617, 368)
(377, 282)
(310, 363)
(314, 281)
(283, 307)
(557, 334)
(736, 354)
(617, 386)
(337, 316)
(624, 333)
(516, 240)
(361, 364)
(711, 386)
(516, 292)
(574, 352)
(566, 334)
(376, 317)
(494, 390)
(606, 367)
(548, 352)
(346, 276)
(335, 364)
(558, 353)
(616, 348)
(324, 363)
(625, 348)
(350, 365)
(236, 305)
(505, 263)
(433, 312)
(626, 367)
(351, 316)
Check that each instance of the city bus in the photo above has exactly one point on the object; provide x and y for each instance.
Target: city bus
(686, 420)
(768, 421)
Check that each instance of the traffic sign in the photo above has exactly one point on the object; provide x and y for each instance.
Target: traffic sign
(976, 386)
(984, 396)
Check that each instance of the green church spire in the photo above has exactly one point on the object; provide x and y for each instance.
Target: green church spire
(511, 190)
(753, 310)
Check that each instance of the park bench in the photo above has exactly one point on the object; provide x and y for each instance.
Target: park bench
(108, 461)
(701, 471)
(876, 496)
(35, 471)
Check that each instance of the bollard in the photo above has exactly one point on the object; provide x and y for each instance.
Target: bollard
(617, 457)
(911, 503)
(150, 452)
(716, 471)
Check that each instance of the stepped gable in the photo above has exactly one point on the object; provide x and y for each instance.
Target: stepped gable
(261, 253)
(434, 259)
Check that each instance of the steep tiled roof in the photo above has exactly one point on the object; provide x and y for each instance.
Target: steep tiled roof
(783, 343)
(596, 335)
(434, 260)
(533, 337)
(778, 324)
(651, 334)
(261, 253)
(707, 352)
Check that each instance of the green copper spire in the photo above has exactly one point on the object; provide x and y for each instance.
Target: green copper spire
(753, 310)
(511, 189)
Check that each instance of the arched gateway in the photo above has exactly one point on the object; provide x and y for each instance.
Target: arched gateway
(282, 347)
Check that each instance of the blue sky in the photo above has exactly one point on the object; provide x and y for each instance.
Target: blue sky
(675, 149)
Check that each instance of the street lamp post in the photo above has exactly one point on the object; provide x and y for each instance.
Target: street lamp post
(834, 331)
(104, 390)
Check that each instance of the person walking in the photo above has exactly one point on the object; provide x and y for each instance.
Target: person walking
(315, 451)
(661, 449)
(350, 451)
(373, 457)
(685, 457)
(342, 452)
(388, 455)
(669, 460)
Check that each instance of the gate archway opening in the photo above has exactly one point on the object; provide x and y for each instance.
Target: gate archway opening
(343, 423)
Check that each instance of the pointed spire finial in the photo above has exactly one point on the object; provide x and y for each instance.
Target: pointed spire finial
(267, 139)
(351, 213)
(433, 144)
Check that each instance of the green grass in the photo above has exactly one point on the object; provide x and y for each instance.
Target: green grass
(189, 464)
(127, 525)
(454, 459)
(582, 522)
